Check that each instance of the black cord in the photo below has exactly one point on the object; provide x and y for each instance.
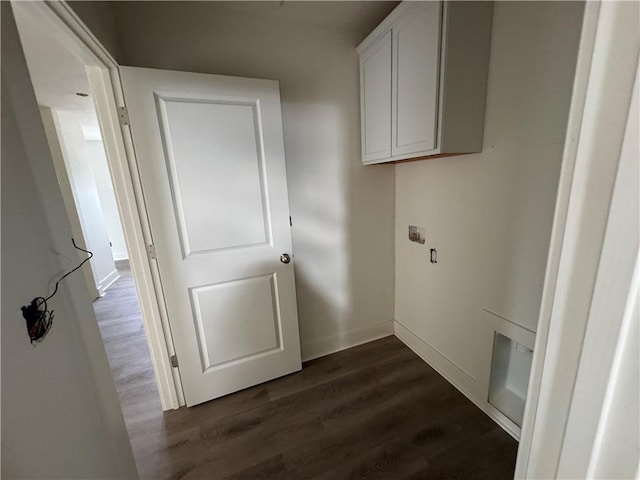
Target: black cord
(38, 317)
(55, 290)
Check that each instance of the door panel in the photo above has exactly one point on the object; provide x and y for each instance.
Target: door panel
(214, 154)
(375, 91)
(416, 44)
(211, 159)
(252, 306)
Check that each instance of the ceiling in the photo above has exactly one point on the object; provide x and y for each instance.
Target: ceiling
(342, 15)
(353, 17)
(56, 74)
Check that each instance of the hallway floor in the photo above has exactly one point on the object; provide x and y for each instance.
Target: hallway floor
(373, 411)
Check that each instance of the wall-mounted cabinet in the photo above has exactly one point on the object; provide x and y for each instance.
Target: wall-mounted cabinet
(423, 81)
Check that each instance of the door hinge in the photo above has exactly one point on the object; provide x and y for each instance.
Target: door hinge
(174, 361)
(290, 221)
(123, 115)
(151, 252)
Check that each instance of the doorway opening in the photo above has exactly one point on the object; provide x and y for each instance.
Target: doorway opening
(66, 94)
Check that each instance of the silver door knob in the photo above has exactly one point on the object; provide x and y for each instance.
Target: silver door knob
(285, 258)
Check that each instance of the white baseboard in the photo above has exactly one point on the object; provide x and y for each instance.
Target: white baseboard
(457, 377)
(107, 281)
(324, 346)
(123, 264)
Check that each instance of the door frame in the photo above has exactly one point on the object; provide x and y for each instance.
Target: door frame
(106, 88)
(602, 95)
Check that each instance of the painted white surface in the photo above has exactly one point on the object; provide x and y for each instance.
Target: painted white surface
(608, 69)
(60, 24)
(416, 70)
(94, 154)
(104, 79)
(78, 162)
(216, 162)
(510, 367)
(605, 401)
(320, 347)
(375, 104)
(91, 132)
(231, 301)
(50, 130)
(616, 450)
(543, 342)
(56, 74)
(342, 212)
(489, 214)
(60, 413)
(440, 58)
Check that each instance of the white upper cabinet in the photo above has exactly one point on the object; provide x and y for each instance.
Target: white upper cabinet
(416, 54)
(375, 87)
(423, 80)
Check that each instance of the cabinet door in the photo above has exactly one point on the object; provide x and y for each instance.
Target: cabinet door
(416, 67)
(375, 100)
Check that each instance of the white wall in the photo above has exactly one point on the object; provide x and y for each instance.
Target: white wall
(342, 212)
(582, 418)
(83, 185)
(51, 132)
(489, 214)
(94, 155)
(60, 412)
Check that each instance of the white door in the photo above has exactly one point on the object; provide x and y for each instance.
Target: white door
(211, 158)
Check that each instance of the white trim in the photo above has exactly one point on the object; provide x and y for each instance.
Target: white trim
(456, 377)
(609, 322)
(107, 281)
(327, 345)
(624, 352)
(580, 83)
(602, 93)
(104, 80)
(120, 256)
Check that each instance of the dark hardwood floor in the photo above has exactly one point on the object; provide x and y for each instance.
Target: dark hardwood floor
(373, 411)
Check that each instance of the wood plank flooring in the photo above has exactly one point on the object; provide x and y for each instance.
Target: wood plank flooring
(376, 411)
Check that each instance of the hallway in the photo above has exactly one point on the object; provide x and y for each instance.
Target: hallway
(120, 323)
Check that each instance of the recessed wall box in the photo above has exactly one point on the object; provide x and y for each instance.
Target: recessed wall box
(416, 234)
(510, 369)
